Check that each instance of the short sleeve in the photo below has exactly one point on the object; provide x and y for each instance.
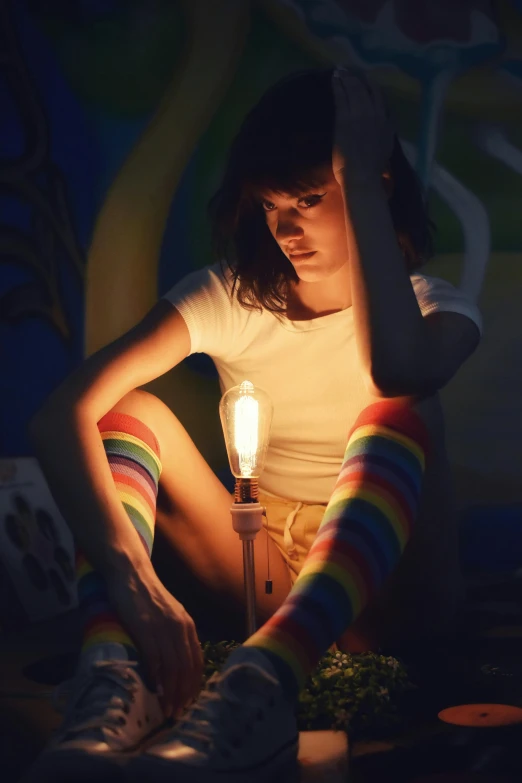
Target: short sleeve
(435, 295)
(203, 299)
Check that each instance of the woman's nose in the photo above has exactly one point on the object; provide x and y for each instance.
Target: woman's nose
(288, 227)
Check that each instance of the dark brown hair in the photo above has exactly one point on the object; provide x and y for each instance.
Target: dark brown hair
(282, 142)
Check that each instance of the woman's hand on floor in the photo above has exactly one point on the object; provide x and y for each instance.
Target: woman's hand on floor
(165, 636)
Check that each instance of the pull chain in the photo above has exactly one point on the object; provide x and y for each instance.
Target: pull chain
(268, 582)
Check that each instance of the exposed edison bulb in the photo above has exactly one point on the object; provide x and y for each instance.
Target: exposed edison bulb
(246, 416)
(245, 430)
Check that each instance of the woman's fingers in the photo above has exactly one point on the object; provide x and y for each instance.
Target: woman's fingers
(192, 675)
(353, 99)
(197, 661)
(181, 667)
(172, 668)
(379, 101)
(364, 133)
(349, 71)
(151, 657)
(341, 89)
(166, 638)
(360, 99)
(165, 666)
(360, 94)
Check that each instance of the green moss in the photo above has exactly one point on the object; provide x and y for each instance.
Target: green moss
(360, 694)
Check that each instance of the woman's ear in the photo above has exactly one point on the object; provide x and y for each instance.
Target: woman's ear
(387, 183)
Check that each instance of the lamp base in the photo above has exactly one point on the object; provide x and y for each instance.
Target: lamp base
(247, 519)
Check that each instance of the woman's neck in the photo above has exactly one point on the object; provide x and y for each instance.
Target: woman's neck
(307, 300)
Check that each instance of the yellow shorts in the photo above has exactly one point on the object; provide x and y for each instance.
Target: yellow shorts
(292, 526)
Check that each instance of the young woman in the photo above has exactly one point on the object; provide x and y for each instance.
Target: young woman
(320, 227)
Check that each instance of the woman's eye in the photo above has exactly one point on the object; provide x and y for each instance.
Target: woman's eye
(311, 201)
(307, 202)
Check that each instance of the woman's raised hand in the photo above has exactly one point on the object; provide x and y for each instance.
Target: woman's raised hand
(165, 636)
(364, 134)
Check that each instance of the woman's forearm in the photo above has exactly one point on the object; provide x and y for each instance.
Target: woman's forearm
(390, 332)
(71, 454)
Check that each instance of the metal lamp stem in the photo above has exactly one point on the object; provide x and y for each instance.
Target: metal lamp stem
(249, 576)
(247, 521)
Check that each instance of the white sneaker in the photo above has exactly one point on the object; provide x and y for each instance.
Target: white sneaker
(242, 728)
(109, 711)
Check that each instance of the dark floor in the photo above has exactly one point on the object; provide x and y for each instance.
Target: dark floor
(483, 665)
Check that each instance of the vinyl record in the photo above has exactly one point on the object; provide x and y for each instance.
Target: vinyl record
(482, 715)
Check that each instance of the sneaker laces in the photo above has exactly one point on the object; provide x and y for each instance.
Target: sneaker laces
(219, 700)
(97, 713)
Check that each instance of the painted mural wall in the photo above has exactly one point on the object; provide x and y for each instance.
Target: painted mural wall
(116, 116)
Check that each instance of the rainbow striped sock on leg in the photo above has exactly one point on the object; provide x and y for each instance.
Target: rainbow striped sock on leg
(134, 459)
(365, 528)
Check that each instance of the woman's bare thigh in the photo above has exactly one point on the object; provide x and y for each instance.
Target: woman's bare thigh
(193, 513)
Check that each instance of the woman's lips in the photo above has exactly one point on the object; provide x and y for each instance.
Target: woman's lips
(301, 256)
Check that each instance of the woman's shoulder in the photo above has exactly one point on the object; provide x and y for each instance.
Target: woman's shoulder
(212, 279)
(421, 281)
(429, 287)
(435, 294)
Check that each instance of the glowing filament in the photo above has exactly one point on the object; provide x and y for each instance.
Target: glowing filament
(245, 435)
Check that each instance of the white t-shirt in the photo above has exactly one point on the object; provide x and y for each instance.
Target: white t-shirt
(310, 369)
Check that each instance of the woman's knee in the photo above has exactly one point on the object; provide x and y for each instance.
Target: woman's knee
(142, 405)
(148, 409)
(420, 418)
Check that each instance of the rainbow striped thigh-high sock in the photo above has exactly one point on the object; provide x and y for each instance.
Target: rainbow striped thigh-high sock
(134, 459)
(365, 528)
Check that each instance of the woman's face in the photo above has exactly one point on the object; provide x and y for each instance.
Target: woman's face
(310, 228)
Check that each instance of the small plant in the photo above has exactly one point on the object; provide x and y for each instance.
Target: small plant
(360, 694)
